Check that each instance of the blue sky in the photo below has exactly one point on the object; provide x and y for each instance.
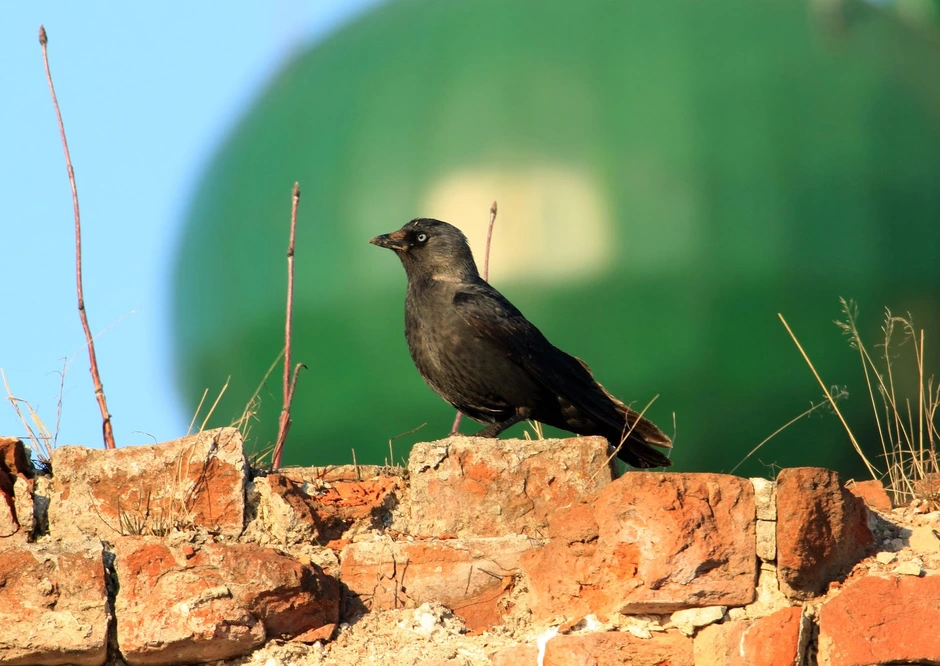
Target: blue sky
(147, 92)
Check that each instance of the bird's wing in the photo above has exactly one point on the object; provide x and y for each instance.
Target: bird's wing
(492, 316)
(495, 318)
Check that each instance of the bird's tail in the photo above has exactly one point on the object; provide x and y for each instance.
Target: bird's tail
(635, 444)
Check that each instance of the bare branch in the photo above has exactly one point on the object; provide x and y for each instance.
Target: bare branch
(486, 276)
(290, 384)
(107, 430)
(489, 238)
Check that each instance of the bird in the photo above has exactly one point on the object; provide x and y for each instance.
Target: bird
(480, 354)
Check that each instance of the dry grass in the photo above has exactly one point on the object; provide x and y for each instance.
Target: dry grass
(202, 426)
(536, 429)
(149, 519)
(42, 441)
(904, 409)
(173, 511)
(257, 457)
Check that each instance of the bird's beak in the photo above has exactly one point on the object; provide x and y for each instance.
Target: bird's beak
(393, 241)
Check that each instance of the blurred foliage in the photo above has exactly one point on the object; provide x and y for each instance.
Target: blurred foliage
(671, 174)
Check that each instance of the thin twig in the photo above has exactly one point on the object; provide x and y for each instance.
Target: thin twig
(58, 409)
(486, 276)
(813, 407)
(858, 449)
(625, 434)
(391, 453)
(293, 381)
(107, 431)
(290, 383)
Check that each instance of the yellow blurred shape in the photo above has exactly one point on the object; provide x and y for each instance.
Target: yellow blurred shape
(554, 224)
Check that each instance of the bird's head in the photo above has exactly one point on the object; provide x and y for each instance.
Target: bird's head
(431, 249)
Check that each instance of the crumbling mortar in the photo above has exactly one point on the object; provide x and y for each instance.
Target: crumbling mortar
(112, 586)
(43, 488)
(809, 637)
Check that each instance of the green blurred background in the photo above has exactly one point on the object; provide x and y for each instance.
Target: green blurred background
(670, 174)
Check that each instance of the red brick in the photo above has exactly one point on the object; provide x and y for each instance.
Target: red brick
(13, 457)
(513, 485)
(871, 492)
(927, 490)
(472, 577)
(8, 523)
(882, 620)
(517, 655)
(822, 530)
(778, 639)
(648, 542)
(298, 506)
(53, 604)
(16, 490)
(196, 481)
(619, 649)
(217, 603)
(356, 499)
(720, 644)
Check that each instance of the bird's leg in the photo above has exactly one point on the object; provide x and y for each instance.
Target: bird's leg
(494, 429)
(456, 427)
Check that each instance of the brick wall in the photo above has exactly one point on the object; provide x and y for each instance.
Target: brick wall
(178, 553)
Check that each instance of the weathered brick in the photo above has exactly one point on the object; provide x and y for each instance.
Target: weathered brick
(876, 620)
(648, 542)
(619, 649)
(871, 492)
(778, 639)
(53, 604)
(513, 485)
(517, 655)
(472, 577)
(188, 604)
(16, 491)
(196, 481)
(300, 505)
(822, 530)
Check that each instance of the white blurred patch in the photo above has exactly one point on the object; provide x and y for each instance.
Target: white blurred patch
(542, 640)
(554, 223)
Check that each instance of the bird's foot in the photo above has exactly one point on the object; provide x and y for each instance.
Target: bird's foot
(490, 431)
(494, 429)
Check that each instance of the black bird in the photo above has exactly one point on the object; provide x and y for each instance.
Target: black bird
(477, 351)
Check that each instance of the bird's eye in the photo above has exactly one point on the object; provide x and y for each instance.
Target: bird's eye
(421, 238)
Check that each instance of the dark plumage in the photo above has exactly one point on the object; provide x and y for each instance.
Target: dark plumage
(478, 352)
